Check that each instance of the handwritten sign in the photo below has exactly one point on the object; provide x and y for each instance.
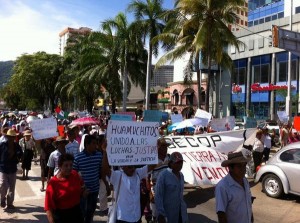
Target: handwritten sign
(121, 117)
(132, 143)
(152, 116)
(44, 128)
(203, 154)
(202, 165)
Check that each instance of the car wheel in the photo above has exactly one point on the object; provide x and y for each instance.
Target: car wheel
(272, 186)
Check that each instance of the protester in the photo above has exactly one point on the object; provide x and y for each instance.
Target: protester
(128, 181)
(28, 146)
(163, 160)
(46, 149)
(73, 146)
(59, 143)
(62, 201)
(267, 144)
(88, 164)
(3, 137)
(258, 148)
(169, 202)
(104, 190)
(284, 135)
(10, 155)
(233, 195)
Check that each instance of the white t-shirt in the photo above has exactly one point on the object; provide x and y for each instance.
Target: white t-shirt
(128, 203)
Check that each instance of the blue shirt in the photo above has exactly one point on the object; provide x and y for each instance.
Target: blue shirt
(234, 200)
(9, 165)
(169, 196)
(89, 167)
(72, 148)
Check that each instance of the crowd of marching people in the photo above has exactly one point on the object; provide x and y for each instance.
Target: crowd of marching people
(75, 174)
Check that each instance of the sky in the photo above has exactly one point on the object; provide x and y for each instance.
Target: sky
(29, 26)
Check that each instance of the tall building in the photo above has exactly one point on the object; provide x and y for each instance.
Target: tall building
(67, 33)
(257, 84)
(162, 76)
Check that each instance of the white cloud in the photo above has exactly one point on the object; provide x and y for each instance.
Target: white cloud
(25, 30)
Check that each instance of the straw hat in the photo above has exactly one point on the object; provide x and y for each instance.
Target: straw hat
(59, 139)
(11, 132)
(27, 133)
(234, 158)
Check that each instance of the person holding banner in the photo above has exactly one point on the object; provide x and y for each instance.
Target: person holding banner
(169, 202)
(128, 181)
(233, 195)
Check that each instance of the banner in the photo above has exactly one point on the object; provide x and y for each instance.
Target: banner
(44, 128)
(202, 166)
(203, 154)
(132, 143)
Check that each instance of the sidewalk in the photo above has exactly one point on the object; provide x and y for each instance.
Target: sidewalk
(29, 202)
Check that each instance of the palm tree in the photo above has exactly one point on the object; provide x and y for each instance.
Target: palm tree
(131, 54)
(148, 16)
(202, 26)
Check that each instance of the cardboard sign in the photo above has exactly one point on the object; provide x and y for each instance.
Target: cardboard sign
(152, 116)
(120, 117)
(283, 117)
(132, 143)
(132, 114)
(44, 128)
(203, 114)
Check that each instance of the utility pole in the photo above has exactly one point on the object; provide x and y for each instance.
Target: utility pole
(288, 107)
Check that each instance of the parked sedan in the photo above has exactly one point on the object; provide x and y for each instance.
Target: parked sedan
(281, 174)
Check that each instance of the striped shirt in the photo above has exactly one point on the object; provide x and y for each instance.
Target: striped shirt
(72, 148)
(89, 166)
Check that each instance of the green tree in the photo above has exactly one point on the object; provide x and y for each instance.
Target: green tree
(129, 48)
(202, 26)
(34, 78)
(149, 16)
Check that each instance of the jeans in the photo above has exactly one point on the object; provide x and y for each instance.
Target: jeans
(88, 206)
(7, 187)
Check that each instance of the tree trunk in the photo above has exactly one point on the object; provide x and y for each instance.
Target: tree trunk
(208, 85)
(113, 106)
(197, 66)
(148, 77)
(125, 76)
(89, 104)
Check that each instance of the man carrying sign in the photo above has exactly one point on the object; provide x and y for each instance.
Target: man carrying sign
(126, 184)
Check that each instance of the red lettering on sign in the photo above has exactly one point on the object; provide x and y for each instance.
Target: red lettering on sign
(197, 172)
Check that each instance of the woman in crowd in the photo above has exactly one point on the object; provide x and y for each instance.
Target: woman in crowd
(28, 146)
(63, 193)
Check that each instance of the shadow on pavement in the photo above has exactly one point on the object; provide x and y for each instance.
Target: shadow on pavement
(198, 196)
(199, 218)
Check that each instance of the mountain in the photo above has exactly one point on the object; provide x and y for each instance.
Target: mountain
(6, 70)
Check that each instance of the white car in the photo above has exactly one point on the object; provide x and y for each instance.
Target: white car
(281, 174)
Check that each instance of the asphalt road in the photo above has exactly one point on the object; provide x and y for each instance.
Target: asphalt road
(29, 203)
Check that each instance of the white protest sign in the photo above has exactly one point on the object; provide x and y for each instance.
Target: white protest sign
(230, 122)
(44, 128)
(283, 117)
(203, 114)
(202, 165)
(218, 124)
(176, 118)
(132, 143)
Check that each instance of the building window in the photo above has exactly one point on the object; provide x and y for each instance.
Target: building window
(268, 19)
(256, 22)
(282, 67)
(242, 12)
(246, 14)
(242, 22)
(274, 17)
(297, 10)
(250, 24)
(240, 72)
(261, 21)
(280, 15)
(261, 69)
(175, 97)
(246, 23)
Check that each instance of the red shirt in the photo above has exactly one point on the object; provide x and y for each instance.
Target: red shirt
(63, 194)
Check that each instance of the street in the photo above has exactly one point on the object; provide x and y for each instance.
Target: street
(29, 203)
